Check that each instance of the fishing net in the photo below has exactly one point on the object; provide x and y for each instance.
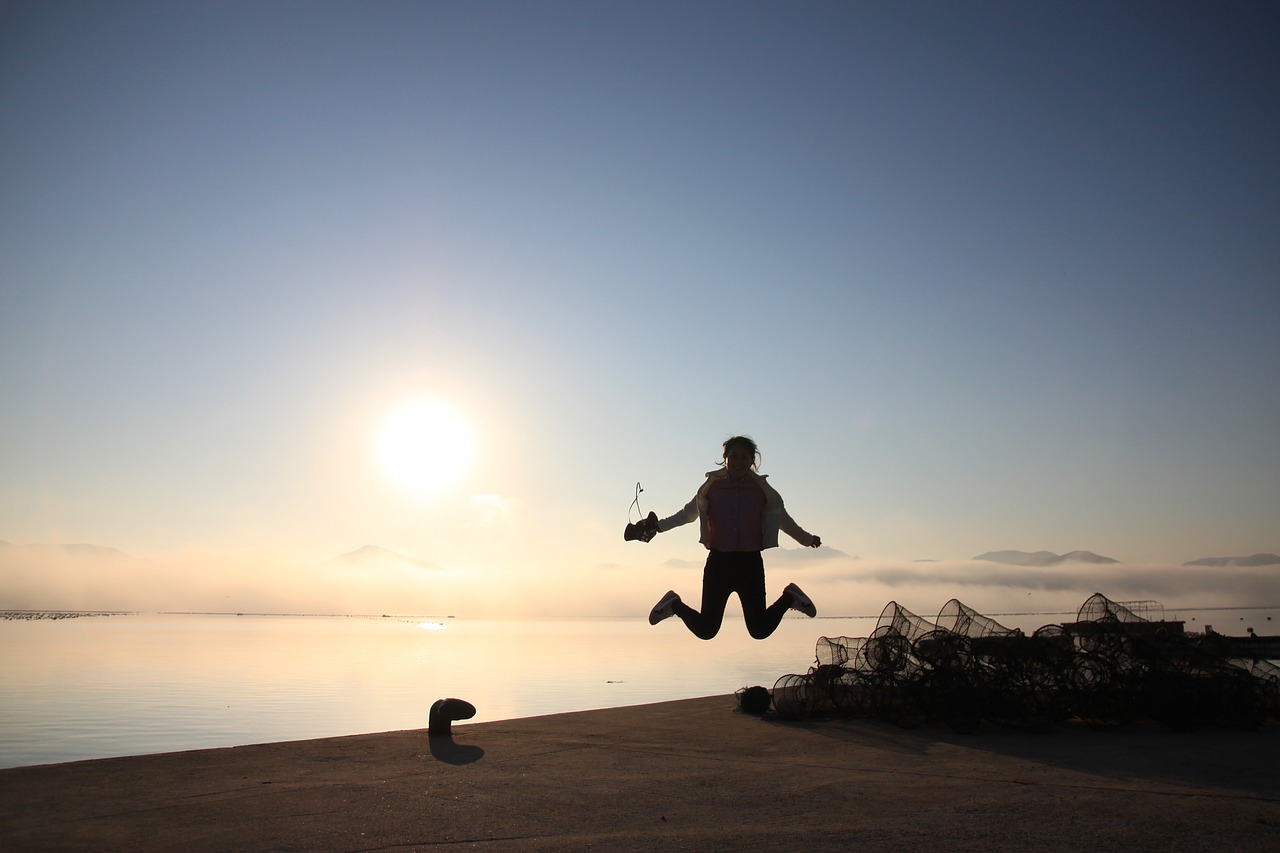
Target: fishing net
(1266, 678)
(793, 697)
(838, 651)
(903, 621)
(1112, 666)
(1098, 606)
(960, 619)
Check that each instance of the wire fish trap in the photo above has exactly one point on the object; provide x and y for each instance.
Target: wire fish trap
(943, 648)
(885, 652)
(1146, 610)
(1111, 667)
(838, 651)
(905, 622)
(1266, 677)
(1098, 607)
(959, 618)
(1105, 626)
(794, 697)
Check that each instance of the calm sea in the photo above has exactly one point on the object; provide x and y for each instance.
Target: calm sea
(103, 686)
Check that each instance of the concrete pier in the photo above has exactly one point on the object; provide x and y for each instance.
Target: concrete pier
(688, 775)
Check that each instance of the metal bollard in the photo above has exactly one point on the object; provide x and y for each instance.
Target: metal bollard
(444, 712)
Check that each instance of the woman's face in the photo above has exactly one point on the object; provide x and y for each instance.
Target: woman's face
(738, 460)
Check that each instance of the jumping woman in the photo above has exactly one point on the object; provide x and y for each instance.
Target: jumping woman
(740, 515)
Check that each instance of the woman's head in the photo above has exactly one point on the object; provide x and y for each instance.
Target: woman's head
(741, 454)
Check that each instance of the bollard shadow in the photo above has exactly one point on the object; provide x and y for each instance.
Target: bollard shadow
(444, 749)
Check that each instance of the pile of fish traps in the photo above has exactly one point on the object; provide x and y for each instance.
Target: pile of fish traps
(1110, 667)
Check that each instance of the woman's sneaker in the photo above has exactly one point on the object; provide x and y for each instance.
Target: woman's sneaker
(799, 601)
(665, 608)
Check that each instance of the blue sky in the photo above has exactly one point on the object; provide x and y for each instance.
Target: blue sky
(976, 276)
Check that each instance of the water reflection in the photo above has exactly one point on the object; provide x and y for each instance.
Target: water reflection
(120, 685)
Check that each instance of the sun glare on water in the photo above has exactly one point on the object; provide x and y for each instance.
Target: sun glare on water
(423, 447)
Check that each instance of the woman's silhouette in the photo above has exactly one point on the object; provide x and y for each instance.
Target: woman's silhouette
(740, 515)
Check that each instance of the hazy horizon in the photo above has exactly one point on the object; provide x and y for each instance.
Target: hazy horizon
(371, 580)
(280, 281)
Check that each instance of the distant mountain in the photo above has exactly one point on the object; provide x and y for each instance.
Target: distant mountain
(1086, 557)
(1042, 558)
(1252, 560)
(1019, 558)
(373, 556)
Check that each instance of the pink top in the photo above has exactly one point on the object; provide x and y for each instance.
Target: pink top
(735, 510)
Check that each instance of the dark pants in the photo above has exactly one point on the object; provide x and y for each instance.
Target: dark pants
(728, 572)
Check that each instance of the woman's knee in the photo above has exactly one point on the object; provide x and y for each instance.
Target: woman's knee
(705, 629)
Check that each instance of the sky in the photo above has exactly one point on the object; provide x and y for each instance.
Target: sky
(975, 276)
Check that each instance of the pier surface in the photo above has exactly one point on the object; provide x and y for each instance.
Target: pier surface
(687, 775)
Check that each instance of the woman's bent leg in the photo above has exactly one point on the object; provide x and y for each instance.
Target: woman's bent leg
(761, 621)
(717, 586)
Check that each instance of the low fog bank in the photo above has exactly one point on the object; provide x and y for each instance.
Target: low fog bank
(375, 581)
(1030, 596)
(1012, 590)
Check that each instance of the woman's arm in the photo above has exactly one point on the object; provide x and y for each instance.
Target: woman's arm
(798, 533)
(684, 516)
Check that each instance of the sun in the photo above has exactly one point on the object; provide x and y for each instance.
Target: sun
(424, 446)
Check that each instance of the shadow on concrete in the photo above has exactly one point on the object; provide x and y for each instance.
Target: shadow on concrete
(444, 749)
(1241, 761)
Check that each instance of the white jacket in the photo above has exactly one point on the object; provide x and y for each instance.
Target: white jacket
(775, 513)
